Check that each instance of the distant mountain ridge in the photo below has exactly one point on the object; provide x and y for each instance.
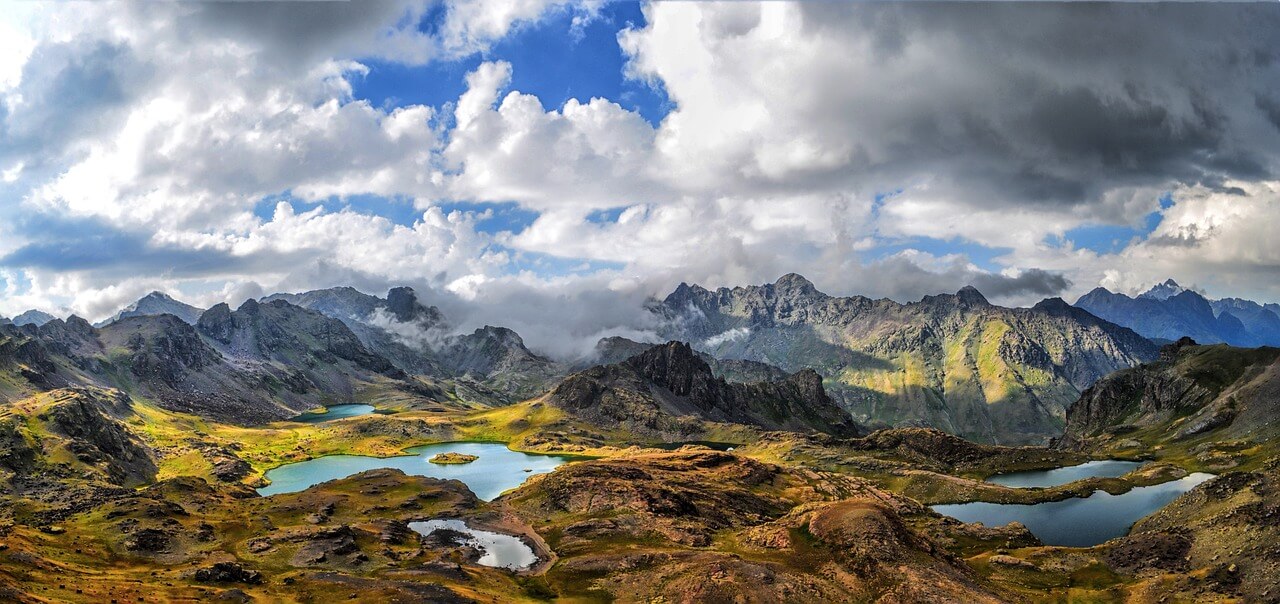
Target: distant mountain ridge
(156, 303)
(33, 317)
(1169, 311)
(954, 362)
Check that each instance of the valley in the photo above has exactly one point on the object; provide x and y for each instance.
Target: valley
(273, 453)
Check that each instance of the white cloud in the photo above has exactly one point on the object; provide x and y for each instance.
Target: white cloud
(732, 335)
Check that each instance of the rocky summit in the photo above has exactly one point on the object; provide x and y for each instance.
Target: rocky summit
(954, 362)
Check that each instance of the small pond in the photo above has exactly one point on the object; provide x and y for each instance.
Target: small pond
(498, 468)
(500, 551)
(1107, 468)
(1079, 521)
(333, 412)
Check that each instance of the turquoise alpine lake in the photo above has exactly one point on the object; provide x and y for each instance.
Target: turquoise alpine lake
(498, 550)
(1079, 521)
(1107, 468)
(498, 468)
(333, 412)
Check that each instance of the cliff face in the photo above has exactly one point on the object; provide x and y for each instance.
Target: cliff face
(1190, 390)
(668, 387)
(954, 362)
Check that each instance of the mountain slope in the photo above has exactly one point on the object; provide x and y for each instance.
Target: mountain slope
(1191, 392)
(156, 303)
(954, 362)
(660, 390)
(1169, 312)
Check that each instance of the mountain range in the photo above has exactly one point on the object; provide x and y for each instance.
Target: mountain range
(107, 493)
(1169, 311)
(954, 362)
(258, 363)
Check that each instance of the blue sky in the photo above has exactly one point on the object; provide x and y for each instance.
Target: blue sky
(552, 59)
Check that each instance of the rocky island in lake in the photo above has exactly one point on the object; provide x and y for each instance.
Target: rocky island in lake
(453, 458)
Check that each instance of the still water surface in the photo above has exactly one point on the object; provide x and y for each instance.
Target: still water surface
(1079, 521)
(501, 551)
(1107, 468)
(498, 468)
(333, 412)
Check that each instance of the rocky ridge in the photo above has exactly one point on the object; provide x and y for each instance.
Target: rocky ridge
(667, 389)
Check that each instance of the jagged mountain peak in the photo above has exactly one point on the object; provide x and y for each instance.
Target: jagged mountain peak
(665, 388)
(1169, 311)
(1163, 291)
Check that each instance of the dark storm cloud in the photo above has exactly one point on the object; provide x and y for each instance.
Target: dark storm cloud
(1030, 282)
(1062, 102)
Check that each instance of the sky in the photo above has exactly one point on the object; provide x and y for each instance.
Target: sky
(551, 164)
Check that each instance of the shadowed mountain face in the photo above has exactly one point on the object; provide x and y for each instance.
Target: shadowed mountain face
(1169, 312)
(1190, 392)
(256, 364)
(954, 362)
(660, 390)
